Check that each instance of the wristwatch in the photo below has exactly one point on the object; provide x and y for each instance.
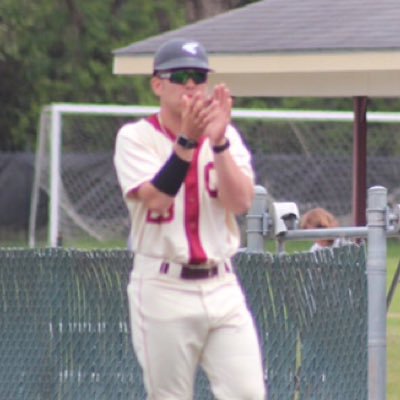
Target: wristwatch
(186, 143)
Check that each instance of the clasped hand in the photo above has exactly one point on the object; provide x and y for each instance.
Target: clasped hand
(210, 116)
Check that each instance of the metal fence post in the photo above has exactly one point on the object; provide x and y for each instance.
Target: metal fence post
(376, 274)
(256, 219)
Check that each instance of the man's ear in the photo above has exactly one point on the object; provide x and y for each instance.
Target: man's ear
(156, 85)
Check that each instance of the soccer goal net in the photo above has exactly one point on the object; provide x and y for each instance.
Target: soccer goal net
(300, 156)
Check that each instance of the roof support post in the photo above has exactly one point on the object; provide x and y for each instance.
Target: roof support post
(360, 160)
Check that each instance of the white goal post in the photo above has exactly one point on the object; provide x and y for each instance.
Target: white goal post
(60, 135)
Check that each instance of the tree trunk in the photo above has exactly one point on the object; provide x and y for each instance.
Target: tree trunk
(200, 9)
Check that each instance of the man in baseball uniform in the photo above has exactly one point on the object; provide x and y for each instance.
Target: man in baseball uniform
(185, 173)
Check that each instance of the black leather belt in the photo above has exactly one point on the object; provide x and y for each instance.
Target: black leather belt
(198, 273)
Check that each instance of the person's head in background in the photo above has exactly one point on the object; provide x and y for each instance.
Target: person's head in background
(318, 218)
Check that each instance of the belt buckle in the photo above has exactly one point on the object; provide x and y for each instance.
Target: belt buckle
(195, 271)
(198, 266)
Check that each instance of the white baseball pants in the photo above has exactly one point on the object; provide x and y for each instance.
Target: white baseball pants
(179, 324)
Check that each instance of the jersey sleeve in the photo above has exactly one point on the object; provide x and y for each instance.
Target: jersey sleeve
(240, 152)
(136, 156)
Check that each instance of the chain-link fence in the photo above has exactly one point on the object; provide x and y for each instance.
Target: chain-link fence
(306, 158)
(65, 330)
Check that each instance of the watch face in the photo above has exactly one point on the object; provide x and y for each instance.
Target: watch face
(186, 143)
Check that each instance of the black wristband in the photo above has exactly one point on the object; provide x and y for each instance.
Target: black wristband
(170, 177)
(223, 147)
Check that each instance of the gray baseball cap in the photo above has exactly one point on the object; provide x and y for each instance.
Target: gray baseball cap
(181, 53)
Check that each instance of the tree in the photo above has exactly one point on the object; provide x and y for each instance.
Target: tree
(199, 9)
(61, 51)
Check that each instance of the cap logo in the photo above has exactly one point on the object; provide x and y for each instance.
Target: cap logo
(191, 47)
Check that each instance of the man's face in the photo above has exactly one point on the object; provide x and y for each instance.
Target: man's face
(170, 86)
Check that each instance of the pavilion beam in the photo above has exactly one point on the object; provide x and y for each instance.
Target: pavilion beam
(360, 161)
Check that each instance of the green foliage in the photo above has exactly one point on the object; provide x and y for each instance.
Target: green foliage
(61, 51)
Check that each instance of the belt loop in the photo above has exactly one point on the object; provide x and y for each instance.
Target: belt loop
(164, 268)
(227, 269)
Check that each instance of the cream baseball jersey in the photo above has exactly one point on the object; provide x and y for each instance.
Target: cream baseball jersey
(196, 228)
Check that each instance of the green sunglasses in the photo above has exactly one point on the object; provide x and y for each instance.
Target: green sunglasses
(181, 77)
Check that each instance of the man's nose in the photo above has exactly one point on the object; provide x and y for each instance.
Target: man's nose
(191, 82)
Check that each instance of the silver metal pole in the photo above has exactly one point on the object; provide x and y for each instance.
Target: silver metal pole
(327, 233)
(376, 274)
(255, 220)
(55, 173)
(41, 145)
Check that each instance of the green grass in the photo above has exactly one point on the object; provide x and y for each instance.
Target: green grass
(393, 326)
(88, 244)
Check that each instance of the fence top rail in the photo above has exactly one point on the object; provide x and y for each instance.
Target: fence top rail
(331, 233)
(326, 233)
(301, 115)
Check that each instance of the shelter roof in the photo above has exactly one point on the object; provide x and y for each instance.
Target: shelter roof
(293, 48)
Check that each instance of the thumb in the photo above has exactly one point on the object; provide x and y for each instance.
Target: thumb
(185, 105)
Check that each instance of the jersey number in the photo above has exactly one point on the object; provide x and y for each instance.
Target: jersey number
(157, 218)
(211, 179)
